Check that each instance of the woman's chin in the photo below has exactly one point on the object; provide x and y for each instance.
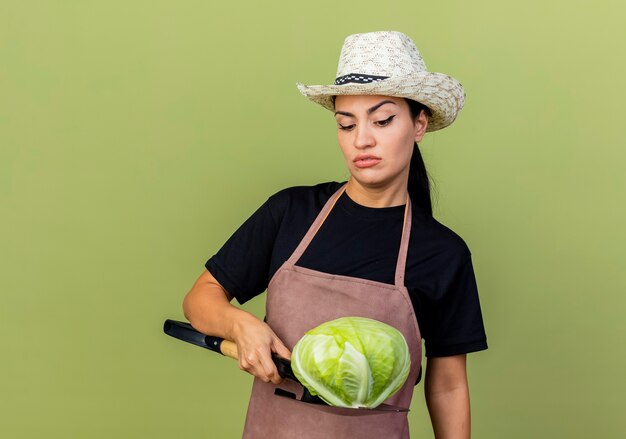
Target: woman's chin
(370, 179)
(378, 177)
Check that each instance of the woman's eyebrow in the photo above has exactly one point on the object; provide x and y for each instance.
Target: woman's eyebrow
(369, 110)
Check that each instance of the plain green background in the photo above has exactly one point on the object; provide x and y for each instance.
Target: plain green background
(136, 136)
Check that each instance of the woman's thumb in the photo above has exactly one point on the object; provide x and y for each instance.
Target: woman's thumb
(281, 349)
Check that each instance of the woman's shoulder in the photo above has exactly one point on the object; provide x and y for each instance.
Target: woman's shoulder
(300, 204)
(436, 239)
(304, 195)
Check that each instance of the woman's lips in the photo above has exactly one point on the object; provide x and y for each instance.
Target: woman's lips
(367, 162)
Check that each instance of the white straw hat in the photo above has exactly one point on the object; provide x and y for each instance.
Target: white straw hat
(388, 63)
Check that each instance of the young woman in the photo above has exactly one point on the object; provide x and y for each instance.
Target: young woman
(368, 246)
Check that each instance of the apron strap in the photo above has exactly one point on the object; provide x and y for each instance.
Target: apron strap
(404, 242)
(299, 251)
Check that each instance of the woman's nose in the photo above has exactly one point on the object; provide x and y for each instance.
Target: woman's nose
(363, 137)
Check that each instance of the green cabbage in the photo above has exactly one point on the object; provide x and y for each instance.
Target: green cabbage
(352, 361)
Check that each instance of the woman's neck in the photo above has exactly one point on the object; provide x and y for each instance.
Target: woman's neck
(373, 196)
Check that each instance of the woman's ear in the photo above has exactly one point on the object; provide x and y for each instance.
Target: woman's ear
(421, 123)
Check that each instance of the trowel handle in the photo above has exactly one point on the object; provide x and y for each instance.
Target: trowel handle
(226, 347)
(184, 331)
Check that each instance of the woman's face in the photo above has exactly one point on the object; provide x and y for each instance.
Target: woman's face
(376, 135)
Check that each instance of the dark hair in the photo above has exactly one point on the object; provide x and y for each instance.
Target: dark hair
(418, 184)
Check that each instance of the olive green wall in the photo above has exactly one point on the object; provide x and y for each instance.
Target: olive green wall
(136, 136)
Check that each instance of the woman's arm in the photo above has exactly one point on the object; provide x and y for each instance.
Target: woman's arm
(207, 307)
(447, 397)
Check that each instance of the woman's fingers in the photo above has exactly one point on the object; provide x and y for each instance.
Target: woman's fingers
(269, 369)
(248, 361)
(255, 342)
(260, 364)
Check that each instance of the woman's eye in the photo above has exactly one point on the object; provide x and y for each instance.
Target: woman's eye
(385, 122)
(345, 128)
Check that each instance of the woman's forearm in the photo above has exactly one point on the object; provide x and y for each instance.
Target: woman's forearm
(450, 413)
(207, 307)
(447, 397)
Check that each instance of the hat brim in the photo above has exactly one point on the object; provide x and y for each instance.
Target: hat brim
(441, 93)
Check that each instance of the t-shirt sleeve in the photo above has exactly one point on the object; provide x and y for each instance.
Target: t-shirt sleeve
(242, 265)
(456, 324)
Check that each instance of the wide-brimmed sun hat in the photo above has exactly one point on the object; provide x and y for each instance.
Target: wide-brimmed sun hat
(388, 63)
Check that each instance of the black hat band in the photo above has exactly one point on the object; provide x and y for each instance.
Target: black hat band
(358, 78)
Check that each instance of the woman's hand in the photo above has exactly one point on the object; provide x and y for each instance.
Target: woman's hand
(255, 343)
